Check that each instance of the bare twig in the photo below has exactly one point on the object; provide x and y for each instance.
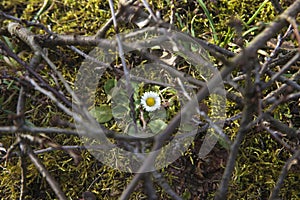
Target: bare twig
(275, 135)
(164, 184)
(129, 88)
(284, 172)
(295, 27)
(74, 147)
(10, 150)
(90, 58)
(287, 81)
(247, 116)
(277, 6)
(52, 130)
(147, 6)
(282, 70)
(45, 173)
(62, 40)
(23, 161)
(238, 60)
(50, 95)
(149, 188)
(35, 74)
(268, 98)
(281, 127)
(27, 23)
(122, 8)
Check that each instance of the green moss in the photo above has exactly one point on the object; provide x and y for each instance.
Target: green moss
(257, 169)
(189, 17)
(80, 17)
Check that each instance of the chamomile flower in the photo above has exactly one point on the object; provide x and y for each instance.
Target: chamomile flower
(150, 101)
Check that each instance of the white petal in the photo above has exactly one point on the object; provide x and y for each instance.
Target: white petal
(147, 95)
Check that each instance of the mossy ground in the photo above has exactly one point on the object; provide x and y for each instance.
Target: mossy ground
(260, 159)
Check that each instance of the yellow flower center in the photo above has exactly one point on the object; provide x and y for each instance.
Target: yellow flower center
(150, 101)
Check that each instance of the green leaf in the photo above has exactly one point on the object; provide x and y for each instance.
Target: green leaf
(29, 123)
(119, 96)
(187, 194)
(156, 126)
(254, 16)
(210, 20)
(120, 111)
(224, 144)
(130, 130)
(187, 127)
(158, 114)
(102, 113)
(109, 84)
(1, 101)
